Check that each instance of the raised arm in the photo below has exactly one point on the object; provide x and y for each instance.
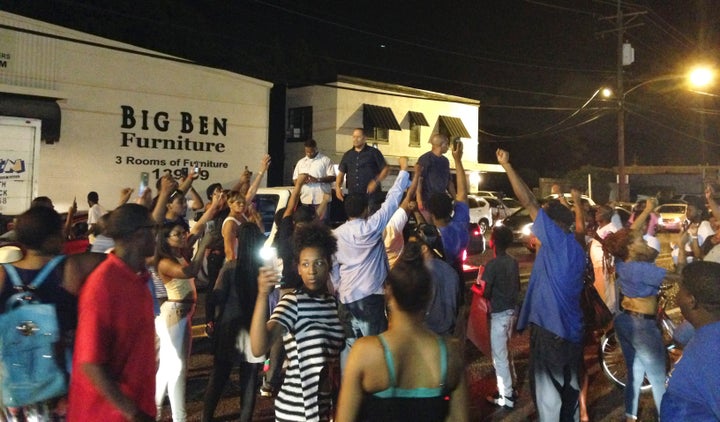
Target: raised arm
(125, 194)
(252, 190)
(167, 186)
(579, 217)
(67, 227)
(520, 188)
(209, 214)
(243, 183)
(650, 205)
(186, 183)
(264, 333)
(170, 268)
(295, 195)
(457, 153)
(412, 190)
(197, 201)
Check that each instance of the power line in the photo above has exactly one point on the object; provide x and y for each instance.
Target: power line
(443, 50)
(672, 129)
(563, 8)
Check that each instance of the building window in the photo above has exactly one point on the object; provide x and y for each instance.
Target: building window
(378, 134)
(299, 124)
(414, 135)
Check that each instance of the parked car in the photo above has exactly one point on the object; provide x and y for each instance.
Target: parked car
(511, 204)
(498, 208)
(671, 216)
(480, 212)
(490, 193)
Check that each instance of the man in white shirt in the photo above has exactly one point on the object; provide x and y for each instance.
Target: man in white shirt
(321, 174)
(94, 213)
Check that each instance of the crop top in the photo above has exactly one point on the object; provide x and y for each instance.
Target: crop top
(412, 404)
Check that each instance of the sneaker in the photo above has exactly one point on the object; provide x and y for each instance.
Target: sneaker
(502, 401)
(267, 391)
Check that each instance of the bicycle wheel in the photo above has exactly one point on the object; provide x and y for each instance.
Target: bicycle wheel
(612, 361)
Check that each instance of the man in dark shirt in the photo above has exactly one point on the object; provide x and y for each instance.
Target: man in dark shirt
(365, 168)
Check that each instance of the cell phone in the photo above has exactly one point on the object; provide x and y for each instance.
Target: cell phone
(144, 180)
(270, 259)
(196, 170)
(455, 144)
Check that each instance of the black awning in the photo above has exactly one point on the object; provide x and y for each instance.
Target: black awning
(45, 109)
(377, 116)
(417, 118)
(453, 126)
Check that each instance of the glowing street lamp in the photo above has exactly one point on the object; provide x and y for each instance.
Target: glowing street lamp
(698, 77)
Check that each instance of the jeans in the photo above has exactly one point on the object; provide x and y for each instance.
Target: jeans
(644, 351)
(554, 367)
(501, 325)
(173, 327)
(366, 317)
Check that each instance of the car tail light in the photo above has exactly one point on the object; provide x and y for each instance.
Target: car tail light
(476, 232)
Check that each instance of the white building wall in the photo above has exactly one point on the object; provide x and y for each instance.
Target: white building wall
(95, 83)
(337, 111)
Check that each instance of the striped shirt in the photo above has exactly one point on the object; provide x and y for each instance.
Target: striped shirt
(313, 339)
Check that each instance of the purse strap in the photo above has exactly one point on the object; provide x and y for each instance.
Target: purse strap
(39, 278)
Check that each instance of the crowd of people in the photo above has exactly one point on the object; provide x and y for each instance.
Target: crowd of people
(366, 316)
(126, 300)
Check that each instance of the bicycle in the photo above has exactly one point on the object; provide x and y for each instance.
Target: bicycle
(610, 355)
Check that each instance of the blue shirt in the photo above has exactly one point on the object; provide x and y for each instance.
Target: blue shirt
(435, 173)
(693, 392)
(639, 279)
(360, 167)
(442, 310)
(455, 235)
(361, 264)
(552, 300)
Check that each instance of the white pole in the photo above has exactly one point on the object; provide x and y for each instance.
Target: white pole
(589, 185)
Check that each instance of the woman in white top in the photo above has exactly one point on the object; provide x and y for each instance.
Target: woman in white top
(241, 211)
(177, 271)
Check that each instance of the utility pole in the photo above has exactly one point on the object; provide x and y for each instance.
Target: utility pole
(624, 58)
(622, 176)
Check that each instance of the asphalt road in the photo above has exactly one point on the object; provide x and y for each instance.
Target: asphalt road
(605, 401)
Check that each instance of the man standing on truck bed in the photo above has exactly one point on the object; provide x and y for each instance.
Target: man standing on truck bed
(320, 174)
(365, 168)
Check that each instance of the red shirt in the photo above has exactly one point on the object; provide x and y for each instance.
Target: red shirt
(116, 330)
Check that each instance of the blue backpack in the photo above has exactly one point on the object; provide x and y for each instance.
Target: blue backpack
(29, 333)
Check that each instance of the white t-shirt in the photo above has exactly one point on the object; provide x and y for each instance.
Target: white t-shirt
(317, 167)
(596, 251)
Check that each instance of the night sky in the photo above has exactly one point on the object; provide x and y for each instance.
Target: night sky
(532, 63)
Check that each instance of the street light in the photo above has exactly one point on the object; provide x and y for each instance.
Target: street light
(698, 77)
